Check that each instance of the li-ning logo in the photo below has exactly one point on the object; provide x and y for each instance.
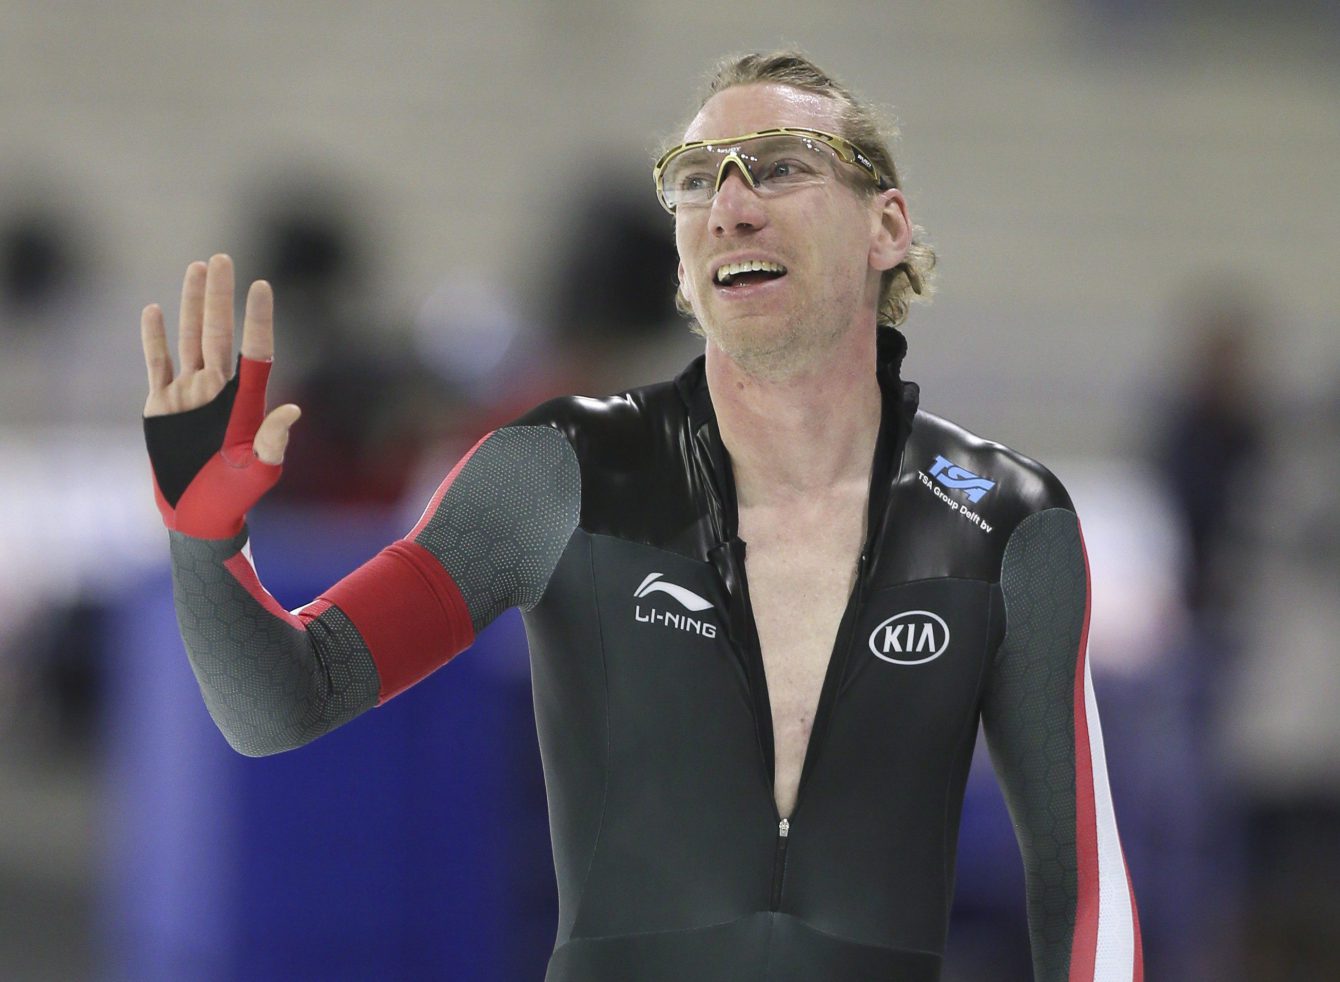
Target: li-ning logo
(960, 479)
(913, 637)
(669, 618)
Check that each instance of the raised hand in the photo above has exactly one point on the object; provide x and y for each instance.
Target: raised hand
(205, 350)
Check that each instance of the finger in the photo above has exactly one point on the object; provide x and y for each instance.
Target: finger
(217, 341)
(189, 325)
(153, 337)
(272, 436)
(258, 324)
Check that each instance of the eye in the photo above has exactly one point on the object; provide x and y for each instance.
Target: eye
(787, 169)
(694, 182)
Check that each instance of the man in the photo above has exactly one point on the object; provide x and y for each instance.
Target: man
(755, 757)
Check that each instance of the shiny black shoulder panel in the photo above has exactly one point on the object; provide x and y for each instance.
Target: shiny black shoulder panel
(943, 500)
(642, 480)
(956, 498)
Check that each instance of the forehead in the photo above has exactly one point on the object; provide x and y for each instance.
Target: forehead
(761, 106)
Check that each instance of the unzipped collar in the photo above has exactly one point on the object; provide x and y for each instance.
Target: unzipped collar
(899, 406)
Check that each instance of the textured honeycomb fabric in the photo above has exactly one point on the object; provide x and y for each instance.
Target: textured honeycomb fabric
(1029, 717)
(498, 530)
(504, 521)
(269, 685)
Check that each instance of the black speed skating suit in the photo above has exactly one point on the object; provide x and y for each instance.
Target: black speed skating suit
(612, 523)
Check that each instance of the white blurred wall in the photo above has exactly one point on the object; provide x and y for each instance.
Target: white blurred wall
(1071, 176)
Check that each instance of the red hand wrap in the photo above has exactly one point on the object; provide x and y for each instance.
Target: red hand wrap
(216, 501)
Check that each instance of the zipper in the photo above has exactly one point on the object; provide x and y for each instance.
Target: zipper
(728, 559)
(779, 862)
(837, 669)
(843, 643)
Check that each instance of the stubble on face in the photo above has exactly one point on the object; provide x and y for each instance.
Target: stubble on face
(775, 348)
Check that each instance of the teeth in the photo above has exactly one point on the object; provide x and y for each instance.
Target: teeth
(729, 271)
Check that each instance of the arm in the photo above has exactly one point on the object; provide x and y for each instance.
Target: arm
(1042, 728)
(272, 680)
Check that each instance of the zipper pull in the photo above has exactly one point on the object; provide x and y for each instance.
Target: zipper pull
(779, 862)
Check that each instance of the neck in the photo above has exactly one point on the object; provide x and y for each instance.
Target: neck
(808, 432)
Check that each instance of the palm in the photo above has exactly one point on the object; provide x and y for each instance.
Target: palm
(188, 390)
(205, 348)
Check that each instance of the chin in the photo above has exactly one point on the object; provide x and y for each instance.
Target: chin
(761, 349)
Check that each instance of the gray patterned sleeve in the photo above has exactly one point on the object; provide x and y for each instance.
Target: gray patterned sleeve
(501, 526)
(1041, 721)
(269, 684)
(1029, 719)
(272, 682)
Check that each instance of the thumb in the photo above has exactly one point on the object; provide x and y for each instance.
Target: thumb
(272, 436)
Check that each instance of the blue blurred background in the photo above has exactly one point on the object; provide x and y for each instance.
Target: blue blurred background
(1137, 286)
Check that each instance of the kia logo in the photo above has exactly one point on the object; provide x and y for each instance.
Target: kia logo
(913, 637)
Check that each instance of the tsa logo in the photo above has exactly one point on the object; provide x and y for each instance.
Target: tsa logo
(961, 479)
(913, 637)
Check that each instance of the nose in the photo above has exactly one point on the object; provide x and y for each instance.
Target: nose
(736, 206)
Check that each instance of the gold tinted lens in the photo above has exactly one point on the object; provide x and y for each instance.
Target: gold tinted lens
(788, 160)
(690, 177)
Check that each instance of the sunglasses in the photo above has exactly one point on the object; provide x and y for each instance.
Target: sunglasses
(772, 162)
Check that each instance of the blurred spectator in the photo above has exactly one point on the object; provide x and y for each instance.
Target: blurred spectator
(41, 273)
(613, 288)
(68, 337)
(1207, 449)
(50, 640)
(37, 264)
(60, 685)
(369, 408)
(1211, 433)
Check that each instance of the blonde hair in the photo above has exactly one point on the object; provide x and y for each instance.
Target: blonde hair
(862, 125)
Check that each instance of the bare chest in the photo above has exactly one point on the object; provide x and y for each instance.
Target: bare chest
(801, 571)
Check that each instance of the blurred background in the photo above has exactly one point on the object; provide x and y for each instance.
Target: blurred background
(1137, 285)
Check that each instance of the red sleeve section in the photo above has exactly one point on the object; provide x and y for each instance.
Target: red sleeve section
(1084, 943)
(245, 574)
(313, 610)
(409, 612)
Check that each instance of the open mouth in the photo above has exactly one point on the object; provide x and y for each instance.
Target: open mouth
(748, 273)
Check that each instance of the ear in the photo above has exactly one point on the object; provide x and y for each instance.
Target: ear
(891, 231)
(684, 285)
